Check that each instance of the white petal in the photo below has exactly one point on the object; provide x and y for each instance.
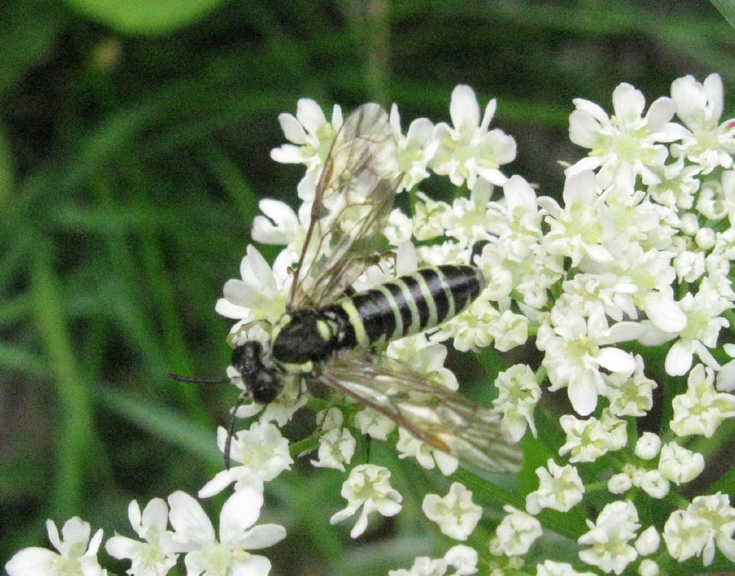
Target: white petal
(464, 109)
(288, 154)
(583, 129)
(665, 314)
(678, 360)
(292, 129)
(251, 566)
(628, 103)
(263, 536)
(583, 395)
(221, 480)
(616, 360)
(33, 562)
(121, 547)
(660, 112)
(239, 513)
(155, 515)
(310, 115)
(190, 522)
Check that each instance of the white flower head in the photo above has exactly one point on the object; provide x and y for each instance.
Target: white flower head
(311, 136)
(77, 553)
(205, 555)
(679, 464)
(551, 568)
(368, 487)
(423, 566)
(560, 488)
(463, 559)
(148, 558)
(707, 143)
(261, 452)
(415, 149)
(374, 424)
(701, 409)
(589, 439)
(515, 534)
(627, 144)
(261, 294)
(336, 448)
(577, 353)
(456, 513)
(611, 537)
(648, 446)
(469, 151)
(518, 394)
(426, 455)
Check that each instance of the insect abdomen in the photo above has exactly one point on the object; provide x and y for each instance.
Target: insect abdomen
(407, 305)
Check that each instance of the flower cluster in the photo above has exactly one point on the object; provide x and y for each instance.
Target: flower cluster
(158, 549)
(624, 286)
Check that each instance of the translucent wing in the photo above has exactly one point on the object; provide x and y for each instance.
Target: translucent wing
(353, 199)
(430, 412)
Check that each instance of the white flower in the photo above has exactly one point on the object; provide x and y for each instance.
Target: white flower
(515, 534)
(584, 226)
(260, 295)
(205, 555)
(469, 151)
(679, 464)
(423, 566)
(648, 567)
(619, 483)
(374, 424)
(648, 542)
(312, 138)
(518, 394)
(368, 487)
(336, 448)
(148, 558)
(630, 395)
(589, 439)
(427, 456)
(425, 357)
(280, 225)
(263, 453)
(415, 149)
(551, 568)
(625, 145)
(463, 559)
(652, 482)
(699, 106)
(577, 352)
(456, 513)
(648, 446)
(704, 322)
(560, 488)
(610, 538)
(77, 553)
(701, 409)
(707, 521)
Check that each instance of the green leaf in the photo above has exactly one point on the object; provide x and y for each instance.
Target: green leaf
(727, 9)
(145, 17)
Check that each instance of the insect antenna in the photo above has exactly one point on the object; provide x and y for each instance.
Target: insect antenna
(231, 430)
(198, 380)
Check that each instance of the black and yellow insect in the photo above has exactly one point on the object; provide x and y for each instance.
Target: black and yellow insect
(333, 338)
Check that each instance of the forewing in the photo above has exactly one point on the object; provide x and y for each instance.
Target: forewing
(352, 203)
(430, 412)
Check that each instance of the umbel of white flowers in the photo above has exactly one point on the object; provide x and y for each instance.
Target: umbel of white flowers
(638, 252)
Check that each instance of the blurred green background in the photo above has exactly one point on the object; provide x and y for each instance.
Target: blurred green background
(134, 145)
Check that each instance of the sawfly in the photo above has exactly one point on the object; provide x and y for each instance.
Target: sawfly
(333, 337)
